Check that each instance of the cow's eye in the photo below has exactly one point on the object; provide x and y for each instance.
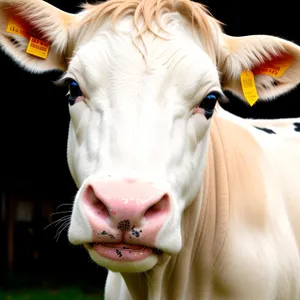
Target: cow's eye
(74, 92)
(209, 101)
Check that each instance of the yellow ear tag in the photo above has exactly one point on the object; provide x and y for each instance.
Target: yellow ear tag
(38, 47)
(248, 86)
(14, 27)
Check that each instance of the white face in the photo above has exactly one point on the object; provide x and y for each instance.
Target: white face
(137, 143)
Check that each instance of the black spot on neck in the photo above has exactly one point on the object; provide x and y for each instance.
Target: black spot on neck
(297, 126)
(267, 130)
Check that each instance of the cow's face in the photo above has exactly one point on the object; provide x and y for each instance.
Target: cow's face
(141, 109)
(137, 143)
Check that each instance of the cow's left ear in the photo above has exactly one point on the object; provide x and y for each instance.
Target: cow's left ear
(35, 34)
(274, 65)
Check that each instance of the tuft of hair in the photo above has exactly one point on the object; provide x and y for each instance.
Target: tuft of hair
(149, 11)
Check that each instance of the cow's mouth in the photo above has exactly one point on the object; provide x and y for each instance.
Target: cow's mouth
(123, 251)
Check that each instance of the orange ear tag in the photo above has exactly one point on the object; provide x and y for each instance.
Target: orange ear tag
(14, 27)
(38, 48)
(274, 68)
(35, 46)
(248, 86)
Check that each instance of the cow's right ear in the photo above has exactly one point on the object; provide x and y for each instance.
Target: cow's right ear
(259, 66)
(35, 34)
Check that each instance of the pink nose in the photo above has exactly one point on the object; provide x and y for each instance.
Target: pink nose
(122, 202)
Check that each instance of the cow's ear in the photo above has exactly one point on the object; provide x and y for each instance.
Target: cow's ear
(34, 33)
(271, 63)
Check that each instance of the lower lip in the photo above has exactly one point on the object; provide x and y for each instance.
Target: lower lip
(122, 252)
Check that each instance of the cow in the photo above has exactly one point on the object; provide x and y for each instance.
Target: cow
(177, 197)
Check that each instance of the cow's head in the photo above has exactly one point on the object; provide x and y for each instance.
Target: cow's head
(144, 79)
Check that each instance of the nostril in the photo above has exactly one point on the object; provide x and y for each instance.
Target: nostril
(160, 207)
(95, 204)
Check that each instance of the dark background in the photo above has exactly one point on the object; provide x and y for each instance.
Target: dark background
(33, 129)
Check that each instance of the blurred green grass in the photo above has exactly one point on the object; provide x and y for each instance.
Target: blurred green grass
(29, 285)
(70, 293)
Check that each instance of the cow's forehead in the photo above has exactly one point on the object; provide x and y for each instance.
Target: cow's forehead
(112, 56)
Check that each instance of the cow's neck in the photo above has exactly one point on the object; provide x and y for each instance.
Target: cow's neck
(204, 228)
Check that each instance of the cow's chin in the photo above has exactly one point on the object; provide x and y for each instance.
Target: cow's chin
(144, 264)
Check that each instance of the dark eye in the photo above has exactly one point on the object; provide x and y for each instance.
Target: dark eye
(209, 101)
(74, 92)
